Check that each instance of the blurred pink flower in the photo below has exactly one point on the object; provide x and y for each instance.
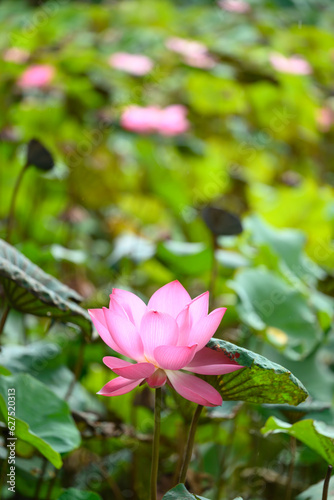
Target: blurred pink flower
(37, 76)
(16, 55)
(325, 119)
(173, 120)
(194, 53)
(204, 61)
(184, 47)
(168, 121)
(238, 6)
(135, 64)
(295, 65)
(163, 338)
(139, 119)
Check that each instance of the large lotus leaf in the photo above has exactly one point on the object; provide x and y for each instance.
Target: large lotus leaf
(41, 418)
(30, 290)
(315, 434)
(42, 361)
(268, 302)
(31, 358)
(314, 372)
(261, 381)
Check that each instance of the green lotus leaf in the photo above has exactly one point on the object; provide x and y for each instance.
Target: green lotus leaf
(316, 435)
(29, 289)
(42, 419)
(260, 381)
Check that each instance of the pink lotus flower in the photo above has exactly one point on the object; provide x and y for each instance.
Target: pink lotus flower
(164, 338)
(37, 76)
(168, 121)
(194, 53)
(135, 64)
(294, 65)
(238, 6)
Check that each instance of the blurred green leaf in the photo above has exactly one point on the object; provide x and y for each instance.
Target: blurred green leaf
(229, 259)
(288, 245)
(184, 257)
(73, 494)
(4, 371)
(130, 245)
(225, 96)
(325, 306)
(261, 381)
(316, 435)
(180, 492)
(43, 361)
(302, 409)
(61, 253)
(115, 465)
(28, 472)
(226, 411)
(41, 418)
(267, 301)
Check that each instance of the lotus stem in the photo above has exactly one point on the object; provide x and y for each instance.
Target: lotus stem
(190, 443)
(181, 440)
(223, 459)
(326, 483)
(111, 482)
(4, 318)
(41, 478)
(11, 219)
(293, 445)
(77, 368)
(51, 485)
(156, 444)
(3, 474)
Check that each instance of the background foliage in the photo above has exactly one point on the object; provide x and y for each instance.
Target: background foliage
(121, 209)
